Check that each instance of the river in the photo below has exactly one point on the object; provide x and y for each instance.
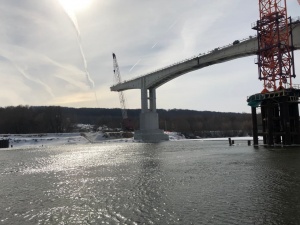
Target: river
(175, 182)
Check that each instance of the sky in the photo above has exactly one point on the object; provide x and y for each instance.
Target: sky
(53, 54)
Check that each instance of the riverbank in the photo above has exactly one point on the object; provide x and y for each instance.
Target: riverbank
(50, 139)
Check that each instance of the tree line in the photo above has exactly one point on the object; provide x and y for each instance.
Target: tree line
(56, 119)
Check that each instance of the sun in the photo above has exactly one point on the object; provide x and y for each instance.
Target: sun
(75, 5)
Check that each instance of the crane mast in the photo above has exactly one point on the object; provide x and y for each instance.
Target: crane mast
(275, 49)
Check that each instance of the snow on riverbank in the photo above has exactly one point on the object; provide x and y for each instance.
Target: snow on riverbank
(43, 140)
(28, 140)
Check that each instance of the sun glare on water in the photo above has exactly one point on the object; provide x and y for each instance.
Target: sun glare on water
(75, 5)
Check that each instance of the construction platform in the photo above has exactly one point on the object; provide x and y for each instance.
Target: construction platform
(279, 117)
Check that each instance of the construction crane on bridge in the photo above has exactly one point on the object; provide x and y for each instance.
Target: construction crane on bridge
(275, 49)
(126, 122)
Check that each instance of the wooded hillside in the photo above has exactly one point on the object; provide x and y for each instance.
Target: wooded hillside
(54, 119)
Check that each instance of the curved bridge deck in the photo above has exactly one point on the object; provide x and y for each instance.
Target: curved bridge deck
(244, 48)
(149, 126)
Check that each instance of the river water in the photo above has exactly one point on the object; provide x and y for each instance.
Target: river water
(175, 182)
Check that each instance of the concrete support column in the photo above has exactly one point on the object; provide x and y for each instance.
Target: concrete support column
(296, 121)
(254, 124)
(144, 95)
(285, 119)
(144, 100)
(149, 128)
(152, 98)
(264, 121)
(276, 126)
(270, 127)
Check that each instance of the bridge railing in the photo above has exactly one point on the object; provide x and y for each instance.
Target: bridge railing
(229, 45)
(194, 57)
(294, 20)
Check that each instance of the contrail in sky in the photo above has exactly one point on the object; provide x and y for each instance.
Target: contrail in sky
(74, 21)
(172, 25)
(48, 89)
(88, 77)
(153, 46)
(21, 71)
(135, 64)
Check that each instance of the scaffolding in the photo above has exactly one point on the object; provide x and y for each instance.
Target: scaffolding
(275, 59)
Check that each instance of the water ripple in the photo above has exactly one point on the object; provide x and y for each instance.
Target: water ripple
(136, 183)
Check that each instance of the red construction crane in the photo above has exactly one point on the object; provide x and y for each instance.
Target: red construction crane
(126, 123)
(275, 49)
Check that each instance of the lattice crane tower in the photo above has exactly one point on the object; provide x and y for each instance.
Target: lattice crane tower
(127, 124)
(118, 80)
(275, 48)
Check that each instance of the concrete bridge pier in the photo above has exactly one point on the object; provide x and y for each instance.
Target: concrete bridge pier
(149, 127)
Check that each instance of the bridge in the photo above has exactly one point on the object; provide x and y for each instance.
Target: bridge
(148, 83)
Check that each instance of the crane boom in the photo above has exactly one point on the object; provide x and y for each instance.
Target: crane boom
(118, 80)
(127, 124)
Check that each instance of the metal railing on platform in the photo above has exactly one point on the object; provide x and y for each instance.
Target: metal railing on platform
(284, 92)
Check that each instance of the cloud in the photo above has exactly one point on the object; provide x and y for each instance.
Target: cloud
(40, 52)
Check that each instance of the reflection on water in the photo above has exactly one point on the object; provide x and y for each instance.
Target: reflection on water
(187, 182)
